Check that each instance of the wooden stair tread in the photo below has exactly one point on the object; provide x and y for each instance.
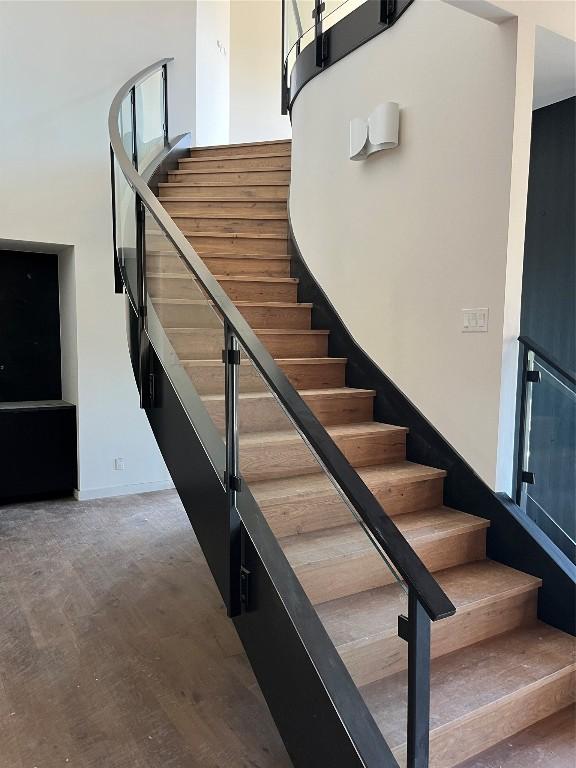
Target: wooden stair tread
(231, 199)
(280, 361)
(233, 158)
(549, 743)
(268, 142)
(231, 215)
(237, 235)
(239, 256)
(320, 485)
(344, 430)
(350, 540)
(223, 170)
(227, 183)
(354, 619)
(308, 394)
(291, 331)
(271, 331)
(195, 302)
(475, 678)
(239, 278)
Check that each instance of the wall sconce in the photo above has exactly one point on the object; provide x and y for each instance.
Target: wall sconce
(380, 131)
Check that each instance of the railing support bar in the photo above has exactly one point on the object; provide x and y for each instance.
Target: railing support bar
(319, 7)
(118, 282)
(144, 382)
(418, 726)
(233, 586)
(522, 425)
(165, 97)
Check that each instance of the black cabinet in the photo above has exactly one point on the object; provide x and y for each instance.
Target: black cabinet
(38, 449)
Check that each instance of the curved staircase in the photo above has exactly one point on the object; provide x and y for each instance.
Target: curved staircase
(497, 670)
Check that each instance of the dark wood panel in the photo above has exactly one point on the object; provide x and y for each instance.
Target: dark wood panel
(39, 456)
(549, 318)
(549, 280)
(30, 322)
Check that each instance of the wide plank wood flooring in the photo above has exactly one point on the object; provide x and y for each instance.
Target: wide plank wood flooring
(115, 650)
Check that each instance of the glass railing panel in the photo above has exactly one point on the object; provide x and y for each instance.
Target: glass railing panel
(356, 591)
(182, 323)
(298, 22)
(149, 119)
(550, 453)
(125, 125)
(335, 10)
(125, 212)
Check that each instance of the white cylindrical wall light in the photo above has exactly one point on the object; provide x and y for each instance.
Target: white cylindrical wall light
(379, 132)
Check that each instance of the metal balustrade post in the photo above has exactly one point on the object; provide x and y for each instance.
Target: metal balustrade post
(145, 382)
(319, 39)
(418, 726)
(165, 97)
(234, 574)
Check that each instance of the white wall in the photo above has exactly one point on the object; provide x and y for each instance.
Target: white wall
(255, 69)
(61, 64)
(213, 72)
(531, 17)
(405, 240)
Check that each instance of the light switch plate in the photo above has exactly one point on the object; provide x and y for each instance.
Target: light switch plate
(475, 320)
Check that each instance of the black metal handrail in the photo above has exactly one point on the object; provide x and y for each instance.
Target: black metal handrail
(380, 527)
(533, 346)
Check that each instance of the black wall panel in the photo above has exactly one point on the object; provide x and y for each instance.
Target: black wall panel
(549, 282)
(30, 327)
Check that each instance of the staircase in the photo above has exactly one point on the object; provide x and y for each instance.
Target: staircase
(496, 669)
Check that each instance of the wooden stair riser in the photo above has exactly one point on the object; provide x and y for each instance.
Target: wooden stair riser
(318, 511)
(340, 577)
(206, 343)
(293, 458)
(263, 414)
(220, 191)
(243, 246)
(379, 657)
(235, 177)
(232, 226)
(259, 266)
(233, 150)
(404, 497)
(488, 725)
(186, 287)
(241, 164)
(295, 345)
(231, 208)
(208, 378)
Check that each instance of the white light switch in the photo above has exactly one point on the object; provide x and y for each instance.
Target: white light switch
(475, 320)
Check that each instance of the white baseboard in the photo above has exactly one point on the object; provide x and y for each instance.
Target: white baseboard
(122, 490)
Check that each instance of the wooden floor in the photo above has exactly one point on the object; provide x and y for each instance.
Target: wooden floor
(115, 650)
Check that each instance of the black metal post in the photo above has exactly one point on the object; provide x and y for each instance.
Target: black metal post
(418, 727)
(145, 383)
(319, 6)
(118, 283)
(522, 425)
(387, 11)
(283, 85)
(165, 96)
(134, 142)
(231, 358)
